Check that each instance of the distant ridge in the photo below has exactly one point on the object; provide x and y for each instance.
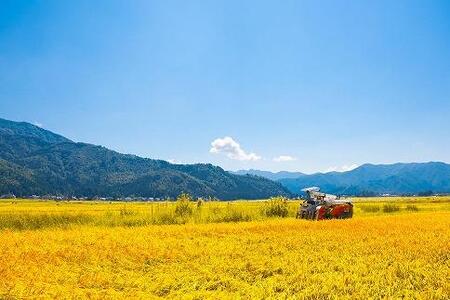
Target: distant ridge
(36, 161)
(370, 179)
(270, 175)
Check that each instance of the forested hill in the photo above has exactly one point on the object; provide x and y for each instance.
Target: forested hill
(37, 161)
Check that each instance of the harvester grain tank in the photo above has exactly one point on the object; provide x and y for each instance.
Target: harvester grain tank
(321, 206)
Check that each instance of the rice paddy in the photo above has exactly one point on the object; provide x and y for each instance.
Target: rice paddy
(392, 248)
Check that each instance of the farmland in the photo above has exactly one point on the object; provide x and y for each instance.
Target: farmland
(393, 247)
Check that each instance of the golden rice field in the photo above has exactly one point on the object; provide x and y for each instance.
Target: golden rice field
(392, 248)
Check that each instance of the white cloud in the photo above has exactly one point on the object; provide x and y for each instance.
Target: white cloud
(343, 168)
(232, 149)
(284, 158)
(172, 161)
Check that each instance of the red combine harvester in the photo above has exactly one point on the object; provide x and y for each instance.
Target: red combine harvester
(321, 206)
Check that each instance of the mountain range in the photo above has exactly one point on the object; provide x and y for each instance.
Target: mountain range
(35, 161)
(369, 179)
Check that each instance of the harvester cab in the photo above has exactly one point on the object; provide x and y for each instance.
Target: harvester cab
(320, 206)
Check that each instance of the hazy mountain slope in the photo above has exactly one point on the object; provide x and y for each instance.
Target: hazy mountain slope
(37, 161)
(270, 175)
(400, 178)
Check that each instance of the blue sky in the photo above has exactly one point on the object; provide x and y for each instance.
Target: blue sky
(275, 85)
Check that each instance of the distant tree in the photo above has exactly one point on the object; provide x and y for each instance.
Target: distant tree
(366, 193)
(184, 205)
(276, 207)
(426, 193)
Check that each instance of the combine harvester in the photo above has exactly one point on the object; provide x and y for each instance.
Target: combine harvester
(321, 206)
